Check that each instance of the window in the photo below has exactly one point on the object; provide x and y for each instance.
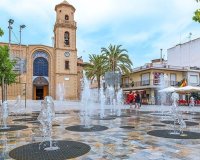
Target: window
(40, 67)
(156, 77)
(66, 64)
(66, 38)
(194, 79)
(126, 82)
(172, 79)
(145, 78)
(66, 17)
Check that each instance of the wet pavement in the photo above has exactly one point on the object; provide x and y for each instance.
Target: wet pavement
(115, 143)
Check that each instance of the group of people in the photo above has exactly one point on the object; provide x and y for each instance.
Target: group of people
(134, 98)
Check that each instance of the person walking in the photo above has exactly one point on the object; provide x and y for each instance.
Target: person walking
(130, 99)
(140, 100)
(137, 101)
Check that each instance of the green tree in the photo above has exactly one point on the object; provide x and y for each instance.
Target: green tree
(117, 59)
(196, 16)
(1, 32)
(7, 75)
(95, 68)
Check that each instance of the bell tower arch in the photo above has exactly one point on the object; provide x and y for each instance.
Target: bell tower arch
(65, 50)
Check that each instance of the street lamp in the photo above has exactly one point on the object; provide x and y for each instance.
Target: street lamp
(20, 31)
(10, 22)
(21, 60)
(20, 39)
(4, 95)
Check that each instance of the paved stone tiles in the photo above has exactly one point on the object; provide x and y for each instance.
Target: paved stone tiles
(113, 144)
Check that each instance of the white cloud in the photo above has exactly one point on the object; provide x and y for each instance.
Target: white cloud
(94, 14)
(135, 37)
(151, 24)
(27, 8)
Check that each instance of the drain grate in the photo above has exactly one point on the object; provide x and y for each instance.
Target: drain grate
(82, 128)
(188, 123)
(127, 127)
(166, 134)
(26, 119)
(158, 125)
(13, 128)
(68, 150)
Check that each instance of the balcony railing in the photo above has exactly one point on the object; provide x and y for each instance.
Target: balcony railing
(148, 83)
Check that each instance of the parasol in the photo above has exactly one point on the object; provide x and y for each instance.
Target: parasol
(187, 89)
(168, 89)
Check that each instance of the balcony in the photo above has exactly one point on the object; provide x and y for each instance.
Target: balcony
(147, 84)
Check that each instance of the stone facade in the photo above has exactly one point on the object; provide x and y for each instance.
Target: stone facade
(52, 70)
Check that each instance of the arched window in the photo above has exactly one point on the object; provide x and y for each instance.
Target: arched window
(66, 38)
(40, 67)
(66, 17)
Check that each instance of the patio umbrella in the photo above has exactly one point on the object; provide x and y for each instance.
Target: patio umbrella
(187, 89)
(168, 89)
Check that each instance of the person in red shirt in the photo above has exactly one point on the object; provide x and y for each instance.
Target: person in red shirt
(130, 99)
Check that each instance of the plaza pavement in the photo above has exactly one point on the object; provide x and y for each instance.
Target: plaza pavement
(35, 105)
(115, 143)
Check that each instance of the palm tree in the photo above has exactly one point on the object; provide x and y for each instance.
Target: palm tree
(95, 68)
(117, 59)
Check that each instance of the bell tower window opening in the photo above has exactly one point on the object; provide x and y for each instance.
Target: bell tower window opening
(66, 38)
(66, 17)
(66, 64)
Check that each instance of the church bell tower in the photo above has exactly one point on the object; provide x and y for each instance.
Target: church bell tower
(65, 51)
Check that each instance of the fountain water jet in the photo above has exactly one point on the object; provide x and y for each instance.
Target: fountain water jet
(191, 105)
(102, 101)
(4, 142)
(4, 115)
(46, 117)
(18, 105)
(111, 99)
(61, 91)
(85, 102)
(163, 84)
(88, 97)
(177, 116)
(119, 100)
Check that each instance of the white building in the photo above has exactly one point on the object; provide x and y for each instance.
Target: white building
(186, 54)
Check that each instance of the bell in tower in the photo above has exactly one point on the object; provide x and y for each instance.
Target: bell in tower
(65, 26)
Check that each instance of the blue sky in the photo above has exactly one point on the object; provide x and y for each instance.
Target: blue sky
(142, 27)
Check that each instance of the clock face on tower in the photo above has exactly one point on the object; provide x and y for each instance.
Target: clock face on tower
(67, 54)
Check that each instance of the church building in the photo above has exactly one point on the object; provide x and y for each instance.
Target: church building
(54, 71)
